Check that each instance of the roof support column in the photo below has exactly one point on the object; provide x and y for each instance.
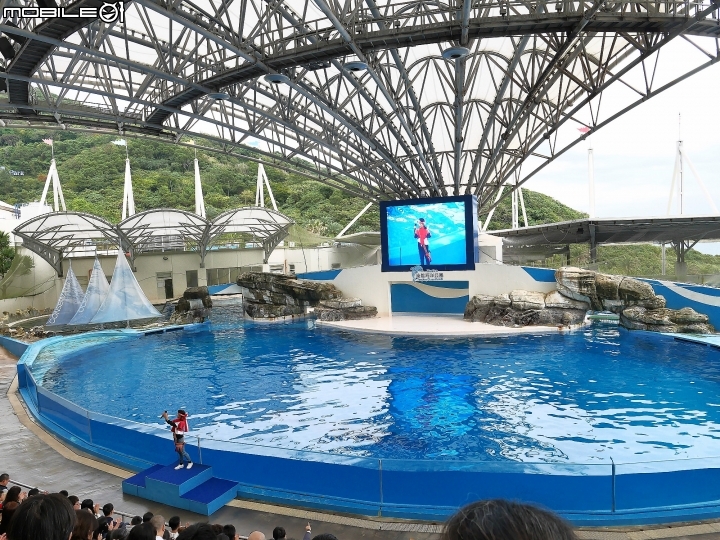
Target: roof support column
(271, 242)
(204, 243)
(459, 110)
(464, 33)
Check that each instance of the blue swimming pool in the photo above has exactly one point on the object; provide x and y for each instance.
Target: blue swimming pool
(582, 397)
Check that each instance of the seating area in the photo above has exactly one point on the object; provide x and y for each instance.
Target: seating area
(94, 521)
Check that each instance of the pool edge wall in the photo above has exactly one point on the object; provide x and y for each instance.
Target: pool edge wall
(419, 490)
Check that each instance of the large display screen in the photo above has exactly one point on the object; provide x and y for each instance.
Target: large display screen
(437, 234)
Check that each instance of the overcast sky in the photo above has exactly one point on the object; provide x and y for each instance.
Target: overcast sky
(635, 157)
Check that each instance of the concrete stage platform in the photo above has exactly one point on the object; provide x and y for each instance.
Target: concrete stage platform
(432, 326)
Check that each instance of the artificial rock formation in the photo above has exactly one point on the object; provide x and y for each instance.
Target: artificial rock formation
(579, 290)
(634, 300)
(344, 309)
(271, 296)
(192, 307)
(524, 308)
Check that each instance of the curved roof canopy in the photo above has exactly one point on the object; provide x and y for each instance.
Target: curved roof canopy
(383, 98)
(60, 234)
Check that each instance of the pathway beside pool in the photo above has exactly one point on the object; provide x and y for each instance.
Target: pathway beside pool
(432, 325)
(34, 457)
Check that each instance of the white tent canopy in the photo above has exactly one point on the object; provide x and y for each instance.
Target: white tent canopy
(56, 235)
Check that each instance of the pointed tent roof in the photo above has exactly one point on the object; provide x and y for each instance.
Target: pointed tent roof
(70, 299)
(125, 300)
(94, 295)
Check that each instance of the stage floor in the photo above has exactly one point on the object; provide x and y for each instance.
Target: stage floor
(431, 325)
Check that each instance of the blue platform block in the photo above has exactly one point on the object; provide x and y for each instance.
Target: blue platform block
(132, 484)
(210, 496)
(168, 482)
(196, 489)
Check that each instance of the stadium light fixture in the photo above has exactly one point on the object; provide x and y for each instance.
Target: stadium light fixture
(454, 53)
(355, 66)
(277, 78)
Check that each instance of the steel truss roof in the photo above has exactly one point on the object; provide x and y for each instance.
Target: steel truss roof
(412, 124)
(59, 234)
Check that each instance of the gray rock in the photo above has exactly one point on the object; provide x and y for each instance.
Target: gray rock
(477, 308)
(687, 316)
(656, 302)
(501, 316)
(271, 311)
(631, 324)
(527, 317)
(696, 328)
(341, 303)
(312, 291)
(616, 306)
(551, 317)
(269, 296)
(556, 300)
(659, 316)
(196, 293)
(634, 313)
(578, 284)
(502, 300)
(526, 300)
(606, 286)
(664, 328)
(346, 314)
(685, 320)
(634, 290)
(188, 309)
(573, 316)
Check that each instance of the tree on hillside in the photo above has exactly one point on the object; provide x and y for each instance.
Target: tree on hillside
(7, 254)
(11, 286)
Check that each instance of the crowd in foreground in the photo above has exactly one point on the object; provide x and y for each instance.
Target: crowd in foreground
(39, 515)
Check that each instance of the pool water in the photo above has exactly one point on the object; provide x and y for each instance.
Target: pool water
(581, 397)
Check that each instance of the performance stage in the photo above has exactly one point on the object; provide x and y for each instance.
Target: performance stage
(431, 326)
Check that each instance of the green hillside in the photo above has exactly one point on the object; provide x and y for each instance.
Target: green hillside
(540, 209)
(91, 171)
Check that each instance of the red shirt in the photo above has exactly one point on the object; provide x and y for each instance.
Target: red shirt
(423, 233)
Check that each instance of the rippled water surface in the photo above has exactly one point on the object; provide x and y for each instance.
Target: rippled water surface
(579, 397)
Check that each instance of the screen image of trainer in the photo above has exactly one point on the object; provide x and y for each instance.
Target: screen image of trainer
(427, 234)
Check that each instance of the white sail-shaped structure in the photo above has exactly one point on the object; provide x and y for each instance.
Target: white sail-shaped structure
(125, 300)
(94, 296)
(128, 208)
(69, 302)
(54, 179)
(199, 201)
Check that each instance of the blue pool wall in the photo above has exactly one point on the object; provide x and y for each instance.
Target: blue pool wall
(597, 494)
